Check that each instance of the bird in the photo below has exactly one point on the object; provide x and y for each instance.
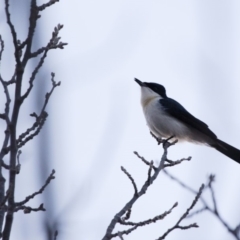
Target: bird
(166, 118)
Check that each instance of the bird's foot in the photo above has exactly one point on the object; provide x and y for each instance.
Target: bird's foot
(166, 142)
(159, 140)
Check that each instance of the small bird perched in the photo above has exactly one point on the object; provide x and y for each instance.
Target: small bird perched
(167, 118)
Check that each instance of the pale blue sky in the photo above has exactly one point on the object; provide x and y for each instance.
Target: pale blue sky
(96, 121)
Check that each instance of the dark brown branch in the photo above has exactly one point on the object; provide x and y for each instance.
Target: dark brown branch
(23, 53)
(180, 182)
(127, 215)
(144, 160)
(34, 73)
(28, 198)
(120, 235)
(2, 47)
(13, 33)
(6, 166)
(206, 207)
(142, 191)
(40, 120)
(177, 225)
(211, 180)
(173, 163)
(27, 209)
(3, 151)
(37, 126)
(124, 232)
(53, 43)
(4, 200)
(149, 221)
(34, 16)
(16, 169)
(131, 179)
(43, 6)
(150, 172)
(197, 212)
(8, 101)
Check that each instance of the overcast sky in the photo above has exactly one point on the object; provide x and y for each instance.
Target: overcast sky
(96, 121)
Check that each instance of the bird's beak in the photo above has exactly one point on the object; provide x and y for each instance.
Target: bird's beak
(139, 82)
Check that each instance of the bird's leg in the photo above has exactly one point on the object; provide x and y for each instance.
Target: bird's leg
(159, 140)
(165, 141)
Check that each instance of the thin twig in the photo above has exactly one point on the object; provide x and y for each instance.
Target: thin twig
(108, 235)
(27, 209)
(120, 235)
(214, 210)
(144, 160)
(28, 198)
(132, 180)
(177, 225)
(45, 5)
(151, 220)
(150, 172)
(53, 43)
(35, 129)
(2, 47)
(13, 32)
(173, 163)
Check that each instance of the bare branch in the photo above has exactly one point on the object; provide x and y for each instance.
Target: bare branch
(127, 215)
(180, 182)
(43, 6)
(6, 166)
(177, 225)
(173, 163)
(13, 32)
(149, 221)
(125, 232)
(211, 180)
(8, 101)
(2, 47)
(144, 160)
(28, 198)
(131, 179)
(5, 199)
(206, 207)
(118, 217)
(39, 122)
(5, 116)
(16, 169)
(23, 53)
(120, 235)
(25, 137)
(150, 172)
(53, 44)
(197, 212)
(27, 209)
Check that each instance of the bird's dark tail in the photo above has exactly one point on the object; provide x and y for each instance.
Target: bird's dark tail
(227, 150)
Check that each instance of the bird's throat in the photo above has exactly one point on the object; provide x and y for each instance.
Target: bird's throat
(146, 101)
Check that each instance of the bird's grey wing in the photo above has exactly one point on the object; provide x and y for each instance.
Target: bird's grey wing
(176, 110)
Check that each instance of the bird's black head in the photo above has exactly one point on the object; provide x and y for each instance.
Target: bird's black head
(157, 88)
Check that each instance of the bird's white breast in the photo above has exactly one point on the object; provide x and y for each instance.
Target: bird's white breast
(160, 123)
